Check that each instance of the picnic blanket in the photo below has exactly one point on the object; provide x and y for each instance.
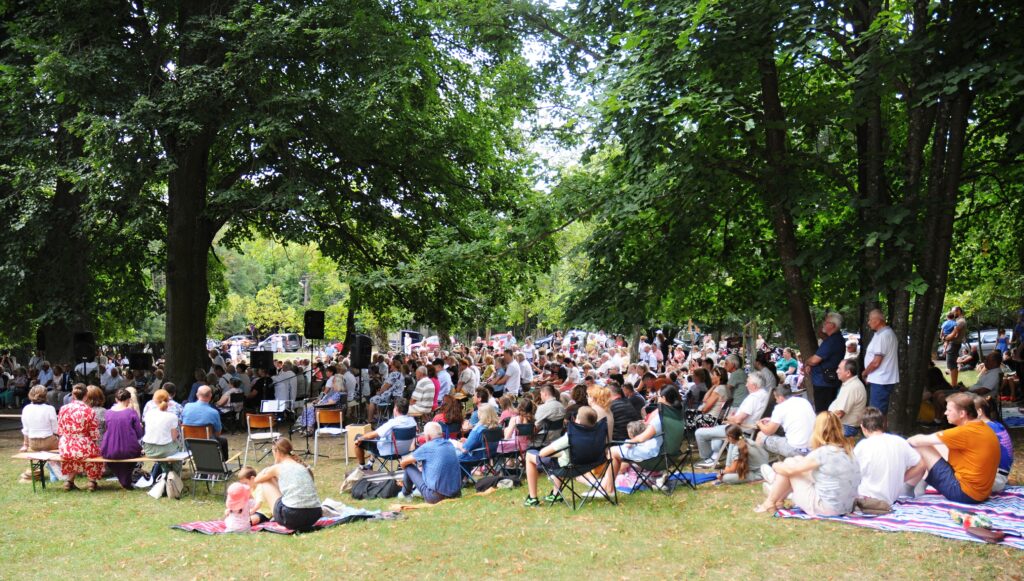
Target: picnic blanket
(624, 483)
(335, 513)
(930, 514)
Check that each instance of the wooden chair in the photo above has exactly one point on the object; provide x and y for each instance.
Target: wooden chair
(329, 417)
(259, 439)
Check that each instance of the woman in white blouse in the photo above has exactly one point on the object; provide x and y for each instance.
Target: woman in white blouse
(38, 423)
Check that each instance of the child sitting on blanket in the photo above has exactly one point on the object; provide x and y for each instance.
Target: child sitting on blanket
(260, 511)
(236, 515)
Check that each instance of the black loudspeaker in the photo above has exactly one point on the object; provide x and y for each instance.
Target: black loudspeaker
(261, 360)
(314, 325)
(362, 345)
(84, 347)
(140, 361)
(40, 340)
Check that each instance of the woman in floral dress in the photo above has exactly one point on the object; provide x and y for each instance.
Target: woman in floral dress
(79, 440)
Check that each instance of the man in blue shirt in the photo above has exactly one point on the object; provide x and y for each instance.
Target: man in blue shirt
(201, 413)
(443, 378)
(823, 364)
(440, 476)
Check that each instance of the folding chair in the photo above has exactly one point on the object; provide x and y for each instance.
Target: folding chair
(588, 460)
(258, 439)
(329, 417)
(515, 461)
(194, 433)
(550, 431)
(452, 431)
(402, 440)
(491, 437)
(209, 466)
(671, 456)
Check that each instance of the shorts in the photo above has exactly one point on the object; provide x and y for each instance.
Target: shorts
(805, 496)
(951, 354)
(369, 446)
(548, 462)
(297, 519)
(261, 517)
(781, 446)
(942, 478)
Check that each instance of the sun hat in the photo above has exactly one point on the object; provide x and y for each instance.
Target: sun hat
(238, 496)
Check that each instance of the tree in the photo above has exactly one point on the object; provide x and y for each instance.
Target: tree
(361, 127)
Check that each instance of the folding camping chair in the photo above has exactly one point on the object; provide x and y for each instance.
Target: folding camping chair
(588, 460)
(550, 431)
(260, 439)
(671, 456)
(488, 464)
(452, 431)
(209, 466)
(331, 417)
(515, 461)
(402, 440)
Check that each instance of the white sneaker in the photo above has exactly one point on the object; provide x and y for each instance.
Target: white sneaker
(659, 484)
(401, 495)
(705, 464)
(416, 493)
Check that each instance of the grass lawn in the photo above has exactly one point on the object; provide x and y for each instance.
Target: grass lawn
(709, 533)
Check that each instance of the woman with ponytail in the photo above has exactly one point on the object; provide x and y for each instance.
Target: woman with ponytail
(288, 486)
(743, 459)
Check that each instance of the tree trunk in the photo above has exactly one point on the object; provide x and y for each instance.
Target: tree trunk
(189, 234)
(948, 145)
(774, 195)
(350, 324)
(63, 279)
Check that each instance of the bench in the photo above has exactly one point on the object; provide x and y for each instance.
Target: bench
(39, 460)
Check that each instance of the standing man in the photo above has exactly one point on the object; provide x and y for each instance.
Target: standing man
(821, 367)
(955, 341)
(882, 364)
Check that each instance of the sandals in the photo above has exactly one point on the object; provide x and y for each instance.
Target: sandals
(69, 486)
(766, 506)
(93, 486)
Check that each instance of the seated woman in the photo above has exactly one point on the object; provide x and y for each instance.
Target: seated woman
(824, 482)
(288, 486)
(600, 398)
(471, 450)
(79, 440)
(95, 399)
(512, 442)
(38, 425)
(647, 444)
(160, 438)
(121, 440)
(330, 398)
(577, 399)
(743, 459)
(17, 387)
(450, 414)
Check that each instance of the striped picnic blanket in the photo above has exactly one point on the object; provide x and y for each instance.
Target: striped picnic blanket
(930, 514)
(216, 527)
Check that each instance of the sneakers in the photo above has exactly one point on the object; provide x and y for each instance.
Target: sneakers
(553, 497)
(416, 493)
(531, 501)
(706, 464)
(401, 495)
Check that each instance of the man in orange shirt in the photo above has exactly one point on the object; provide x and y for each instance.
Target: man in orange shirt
(962, 461)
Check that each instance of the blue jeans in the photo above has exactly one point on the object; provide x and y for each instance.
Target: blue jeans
(413, 478)
(849, 431)
(880, 394)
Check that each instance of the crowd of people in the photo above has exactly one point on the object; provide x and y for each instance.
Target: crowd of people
(749, 423)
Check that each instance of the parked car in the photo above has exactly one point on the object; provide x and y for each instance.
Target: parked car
(988, 339)
(290, 342)
(248, 342)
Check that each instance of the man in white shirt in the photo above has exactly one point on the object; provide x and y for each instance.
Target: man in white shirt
(511, 382)
(852, 400)
(382, 444)
(443, 378)
(286, 384)
(422, 400)
(882, 366)
(525, 371)
(887, 462)
(351, 383)
(795, 415)
(467, 377)
(748, 413)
